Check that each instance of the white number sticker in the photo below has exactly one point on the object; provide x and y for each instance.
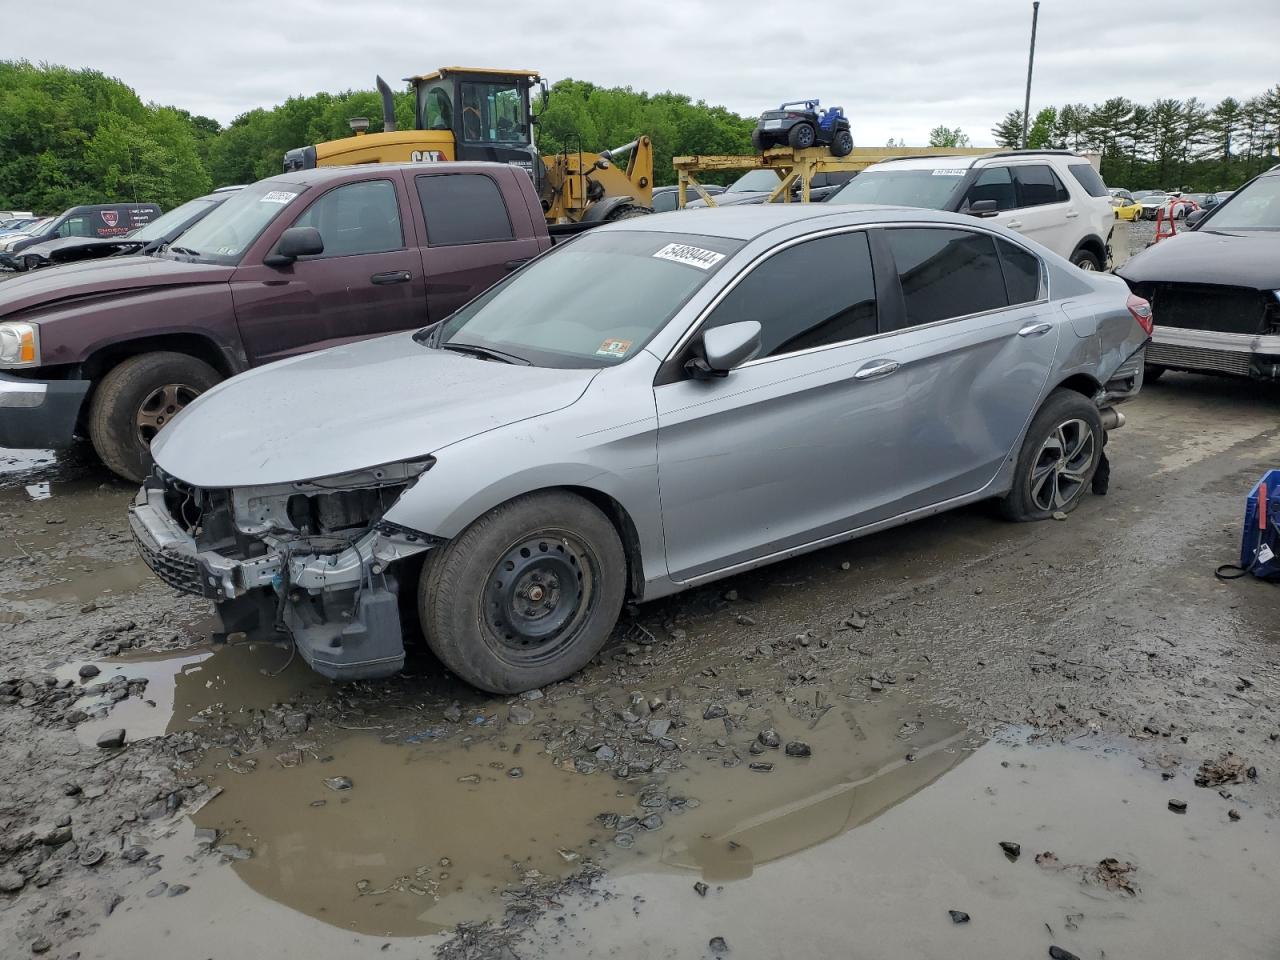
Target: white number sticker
(949, 173)
(277, 196)
(689, 255)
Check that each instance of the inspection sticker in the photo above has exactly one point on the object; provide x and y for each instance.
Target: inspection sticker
(690, 256)
(277, 196)
(949, 172)
(614, 348)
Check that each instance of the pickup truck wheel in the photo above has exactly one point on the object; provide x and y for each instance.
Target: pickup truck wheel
(136, 400)
(526, 595)
(1059, 456)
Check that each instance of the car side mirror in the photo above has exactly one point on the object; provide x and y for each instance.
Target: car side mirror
(724, 348)
(1195, 216)
(983, 208)
(294, 243)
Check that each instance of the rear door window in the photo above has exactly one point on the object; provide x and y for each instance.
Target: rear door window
(463, 208)
(357, 218)
(1039, 185)
(1091, 180)
(1022, 272)
(993, 183)
(814, 294)
(946, 273)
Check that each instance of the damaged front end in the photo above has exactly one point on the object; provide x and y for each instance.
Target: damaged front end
(310, 559)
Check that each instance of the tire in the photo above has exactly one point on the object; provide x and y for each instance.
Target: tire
(627, 211)
(842, 145)
(758, 140)
(1039, 462)
(135, 400)
(1086, 261)
(802, 136)
(500, 640)
(1151, 373)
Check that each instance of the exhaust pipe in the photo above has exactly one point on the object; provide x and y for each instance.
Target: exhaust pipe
(1112, 419)
(388, 107)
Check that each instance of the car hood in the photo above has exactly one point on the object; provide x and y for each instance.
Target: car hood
(1245, 259)
(99, 277)
(351, 407)
(74, 246)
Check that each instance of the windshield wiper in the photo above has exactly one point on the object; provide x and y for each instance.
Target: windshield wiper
(185, 251)
(485, 353)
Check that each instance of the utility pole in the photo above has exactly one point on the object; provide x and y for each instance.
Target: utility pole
(1031, 59)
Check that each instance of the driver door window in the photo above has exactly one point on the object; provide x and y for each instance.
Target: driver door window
(993, 183)
(357, 218)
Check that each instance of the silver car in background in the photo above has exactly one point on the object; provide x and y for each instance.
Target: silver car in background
(651, 406)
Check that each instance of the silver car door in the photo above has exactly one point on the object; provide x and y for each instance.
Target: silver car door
(788, 447)
(974, 367)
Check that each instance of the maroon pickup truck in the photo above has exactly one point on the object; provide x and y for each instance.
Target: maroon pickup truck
(113, 349)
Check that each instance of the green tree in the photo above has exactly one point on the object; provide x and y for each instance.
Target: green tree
(1040, 135)
(942, 136)
(1008, 132)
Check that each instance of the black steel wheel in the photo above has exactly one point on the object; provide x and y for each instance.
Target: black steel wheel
(526, 595)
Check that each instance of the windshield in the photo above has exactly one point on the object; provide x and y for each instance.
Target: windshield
(592, 302)
(157, 228)
(755, 181)
(933, 189)
(225, 234)
(1255, 207)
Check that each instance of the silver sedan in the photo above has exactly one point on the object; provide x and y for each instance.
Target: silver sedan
(650, 406)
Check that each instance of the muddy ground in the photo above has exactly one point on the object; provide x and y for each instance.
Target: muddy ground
(820, 758)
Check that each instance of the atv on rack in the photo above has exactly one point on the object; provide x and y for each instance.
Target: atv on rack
(799, 124)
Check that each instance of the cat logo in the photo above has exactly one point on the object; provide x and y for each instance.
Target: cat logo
(426, 156)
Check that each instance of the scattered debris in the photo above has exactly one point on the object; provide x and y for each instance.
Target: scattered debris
(1228, 768)
(1012, 850)
(958, 916)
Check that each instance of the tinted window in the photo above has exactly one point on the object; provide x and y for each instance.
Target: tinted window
(666, 201)
(463, 208)
(1088, 178)
(357, 218)
(1038, 184)
(993, 183)
(1021, 272)
(946, 273)
(809, 295)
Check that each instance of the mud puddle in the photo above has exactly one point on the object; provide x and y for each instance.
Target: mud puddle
(1105, 869)
(149, 694)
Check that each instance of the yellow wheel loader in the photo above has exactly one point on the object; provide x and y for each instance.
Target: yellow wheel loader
(472, 113)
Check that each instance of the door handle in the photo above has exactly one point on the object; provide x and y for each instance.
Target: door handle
(517, 264)
(1035, 329)
(391, 276)
(1072, 214)
(876, 369)
(1015, 224)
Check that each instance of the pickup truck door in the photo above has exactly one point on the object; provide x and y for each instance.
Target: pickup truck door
(477, 227)
(368, 281)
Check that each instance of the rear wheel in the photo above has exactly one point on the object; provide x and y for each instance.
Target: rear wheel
(1086, 260)
(802, 136)
(526, 595)
(138, 399)
(758, 141)
(842, 145)
(1059, 456)
(626, 211)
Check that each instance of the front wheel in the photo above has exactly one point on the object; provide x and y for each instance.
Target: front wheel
(842, 145)
(526, 595)
(1059, 456)
(1151, 373)
(626, 211)
(136, 400)
(802, 136)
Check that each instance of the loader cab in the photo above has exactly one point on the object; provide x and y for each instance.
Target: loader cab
(487, 111)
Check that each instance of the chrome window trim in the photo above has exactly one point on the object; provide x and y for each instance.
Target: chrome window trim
(689, 333)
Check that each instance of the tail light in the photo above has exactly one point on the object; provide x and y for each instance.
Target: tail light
(1141, 311)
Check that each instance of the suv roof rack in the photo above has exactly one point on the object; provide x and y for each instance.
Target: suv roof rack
(1023, 153)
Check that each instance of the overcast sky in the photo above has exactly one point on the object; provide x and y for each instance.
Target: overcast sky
(898, 68)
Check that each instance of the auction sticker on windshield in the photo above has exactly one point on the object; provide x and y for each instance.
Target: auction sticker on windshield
(277, 196)
(949, 172)
(614, 348)
(689, 255)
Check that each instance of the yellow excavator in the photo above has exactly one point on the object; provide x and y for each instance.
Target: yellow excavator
(473, 113)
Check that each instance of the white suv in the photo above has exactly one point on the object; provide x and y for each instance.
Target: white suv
(1055, 197)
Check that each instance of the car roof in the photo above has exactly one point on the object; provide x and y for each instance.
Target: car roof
(336, 174)
(748, 221)
(963, 161)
